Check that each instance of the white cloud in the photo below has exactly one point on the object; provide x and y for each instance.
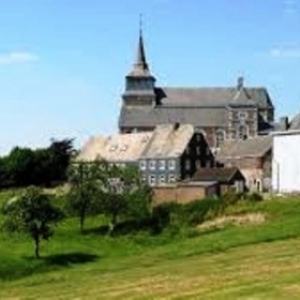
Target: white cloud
(17, 58)
(292, 52)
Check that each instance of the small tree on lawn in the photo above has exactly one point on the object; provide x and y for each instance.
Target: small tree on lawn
(32, 213)
(126, 195)
(87, 181)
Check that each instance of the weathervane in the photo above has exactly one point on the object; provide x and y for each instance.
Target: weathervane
(141, 23)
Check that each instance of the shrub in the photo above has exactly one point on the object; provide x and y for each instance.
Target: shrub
(231, 197)
(198, 211)
(162, 215)
(254, 197)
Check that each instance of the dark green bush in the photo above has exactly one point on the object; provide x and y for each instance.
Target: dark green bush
(162, 215)
(198, 211)
(231, 197)
(254, 197)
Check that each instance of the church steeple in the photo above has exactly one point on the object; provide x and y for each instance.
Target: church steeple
(140, 84)
(140, 67)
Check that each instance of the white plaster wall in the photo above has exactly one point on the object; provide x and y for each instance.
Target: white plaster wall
(286, 163)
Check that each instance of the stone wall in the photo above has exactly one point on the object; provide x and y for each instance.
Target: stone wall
(183, 193)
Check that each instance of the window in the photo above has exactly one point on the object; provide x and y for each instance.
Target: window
(188, 150)
(208, 153)
(143, 165)
(113, 148)
(243, 115)
(242, 132)
(198, 150)
(198, 138)
(144, 178)
(172, 164)
(162, 179)
(152, 164)
(162, 165)
(172, 178)
(187, 164)
(220, 137)
(124, 148)
(152, 180)
(145, 139)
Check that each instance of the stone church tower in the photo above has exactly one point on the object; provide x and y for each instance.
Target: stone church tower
(219, 113)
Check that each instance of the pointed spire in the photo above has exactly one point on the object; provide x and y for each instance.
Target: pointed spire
(140, 68)
(141, 57)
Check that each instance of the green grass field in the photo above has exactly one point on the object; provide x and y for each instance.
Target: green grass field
(251, 261)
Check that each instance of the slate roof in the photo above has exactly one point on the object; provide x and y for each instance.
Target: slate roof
(216, 174)
(183, 105)
(140, 68)
(168, 141)
(134, 116)
(295, 123)
(251, 147)
(208, 97)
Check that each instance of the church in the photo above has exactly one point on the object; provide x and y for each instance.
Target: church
(222, 113)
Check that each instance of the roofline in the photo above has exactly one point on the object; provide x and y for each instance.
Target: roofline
(212, 87)
(233, 173)
(287, 132)
(260, 154)
(190, 106)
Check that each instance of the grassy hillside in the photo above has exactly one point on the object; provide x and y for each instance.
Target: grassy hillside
(251, 261)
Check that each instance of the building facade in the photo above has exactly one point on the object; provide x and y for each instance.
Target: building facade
(168, 154)
(174, 153)
(252, 157)
(229, 113)
(286, 162)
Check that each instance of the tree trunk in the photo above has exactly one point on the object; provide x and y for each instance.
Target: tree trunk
(82, 217)
(112, 224)
(37, 247)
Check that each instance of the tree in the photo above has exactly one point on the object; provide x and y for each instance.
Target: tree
(99, 187)
(61, 153)
(126, 195)
(43, 167)
(20, 165)
(87, 187)
(34, 214)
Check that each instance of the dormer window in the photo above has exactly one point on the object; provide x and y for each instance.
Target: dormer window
(113, 148)
(124, 148)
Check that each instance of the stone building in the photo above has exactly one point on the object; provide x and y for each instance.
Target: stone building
(253, 157)
(174, 153)
(228, 179)
(169, 153)
(221, 113)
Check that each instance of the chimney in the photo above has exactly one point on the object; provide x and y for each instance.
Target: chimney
(284, 123)
(240, 83)
(176, 125)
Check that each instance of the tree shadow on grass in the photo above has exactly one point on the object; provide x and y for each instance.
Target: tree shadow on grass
(28, 266)
(123, 228)
(69, 259)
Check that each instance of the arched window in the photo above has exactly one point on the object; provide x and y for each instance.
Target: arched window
(242, 132)
(220, 137)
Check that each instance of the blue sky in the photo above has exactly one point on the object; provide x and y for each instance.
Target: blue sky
(63, 62)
